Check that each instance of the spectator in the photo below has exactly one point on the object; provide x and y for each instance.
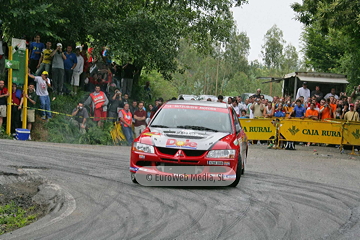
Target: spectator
(58, 58)
(114, 105)
(220, 99)
(331, 94)
(339, 113)
(243, 114)
(32, 99)
(139, 116)
(357, 107)
(349, 100)
(250, 112)
(298, 111)
(344, 111)
(150, 108)
(234, 105)
(80, 115)
(69, 64)
(333, 105)
(35, 51)
(124, 100)
(268, 110)
(45, 60)
(317, 94)
(241, 104)
(356, 93)
(280, 112)
(99, 102)
(84, 54)
(127, 80)
(303, 91)
(16, 100)
(147, 90)
(257, 94)
(158, 104)
(134, 107)
(3, 102)
(42, 84)
(257, 108)
(275, 101)
(79, 67)
(288, 108)
(351, 115)
(312, 113)
(325, 109)
(125, 117)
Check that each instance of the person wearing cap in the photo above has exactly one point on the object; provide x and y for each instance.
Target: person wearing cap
(303, 91)
(58, 58)
(45, 60)
(75, 79)
(42, 84)
(351, 115)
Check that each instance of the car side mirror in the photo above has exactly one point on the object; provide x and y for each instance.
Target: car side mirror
(147, 121)
(237, 128)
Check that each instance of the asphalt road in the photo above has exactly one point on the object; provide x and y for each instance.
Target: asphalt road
(283, 195)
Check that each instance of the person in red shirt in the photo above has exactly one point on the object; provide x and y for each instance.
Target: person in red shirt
(139, 116)
(16, 99)
(3, 102)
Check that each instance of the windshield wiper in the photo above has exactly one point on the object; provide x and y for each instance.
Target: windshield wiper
(197, 128)
(159, 126)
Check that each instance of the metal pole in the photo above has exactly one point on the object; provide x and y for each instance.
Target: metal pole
(9, 99)
(24, 110)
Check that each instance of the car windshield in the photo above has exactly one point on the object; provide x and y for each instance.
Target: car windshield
(202, 120)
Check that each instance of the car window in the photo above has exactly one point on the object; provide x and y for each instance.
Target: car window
(178, 118)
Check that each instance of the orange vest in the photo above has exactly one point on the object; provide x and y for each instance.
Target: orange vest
(98, 100)
(127, 117)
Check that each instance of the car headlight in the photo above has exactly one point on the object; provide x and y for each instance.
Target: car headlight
(221, 154)
(140, 147)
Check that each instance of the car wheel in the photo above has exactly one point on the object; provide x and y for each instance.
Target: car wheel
(238, 174)
(133, 178)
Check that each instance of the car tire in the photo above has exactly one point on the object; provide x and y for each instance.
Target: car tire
(133, 178)
(238, 174)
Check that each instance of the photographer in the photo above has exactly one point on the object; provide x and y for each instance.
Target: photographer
(114, 105)
(58, 58)
(80, 115)
(355, 95)
(325, 109)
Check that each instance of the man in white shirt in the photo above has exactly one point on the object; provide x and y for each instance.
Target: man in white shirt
(42, 84)
(331, 94)
(75, 80)
(303, 91)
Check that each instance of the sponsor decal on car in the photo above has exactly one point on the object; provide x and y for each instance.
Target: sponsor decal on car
(183, 144)
(152, 134)
(134, 169)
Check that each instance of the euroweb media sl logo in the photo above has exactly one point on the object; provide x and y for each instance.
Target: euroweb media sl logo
(293, 130)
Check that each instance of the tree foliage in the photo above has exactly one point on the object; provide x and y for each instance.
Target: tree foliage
(332, 35)
(149, 31)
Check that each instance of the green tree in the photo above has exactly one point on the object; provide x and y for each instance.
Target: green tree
(273, 47)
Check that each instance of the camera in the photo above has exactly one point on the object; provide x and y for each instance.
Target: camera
(117, 92)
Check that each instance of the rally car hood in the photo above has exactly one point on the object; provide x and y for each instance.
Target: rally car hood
(182, 138)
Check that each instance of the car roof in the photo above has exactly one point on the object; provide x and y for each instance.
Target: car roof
(198, 103)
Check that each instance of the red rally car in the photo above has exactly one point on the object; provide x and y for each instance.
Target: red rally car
(193, 134)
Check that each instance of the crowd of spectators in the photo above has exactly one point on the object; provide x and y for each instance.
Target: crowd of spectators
(312, 105)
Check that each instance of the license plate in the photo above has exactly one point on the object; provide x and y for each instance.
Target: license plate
(215, 163)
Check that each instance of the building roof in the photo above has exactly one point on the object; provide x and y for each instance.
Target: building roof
(318, 77)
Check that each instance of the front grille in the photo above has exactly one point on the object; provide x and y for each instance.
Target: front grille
(168, 151)
(194, 153)
(173, 151)
(169, 159)
(189, 161)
